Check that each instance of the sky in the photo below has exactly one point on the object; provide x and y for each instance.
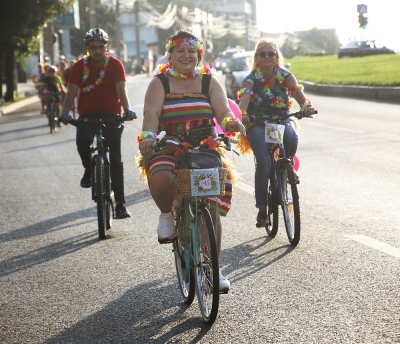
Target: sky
(341, 15)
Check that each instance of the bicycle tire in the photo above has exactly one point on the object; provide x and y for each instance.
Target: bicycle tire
(52, 121)
(290, 205)
(273, 214)
(109, 214)
(101, 196)
(206, 266)
(109, 196)
(182, 253)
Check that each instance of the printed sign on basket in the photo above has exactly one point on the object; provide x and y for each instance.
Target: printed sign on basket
(205, 182)
(274, 133)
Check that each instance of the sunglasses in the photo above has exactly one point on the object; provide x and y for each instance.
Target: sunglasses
(269, 53)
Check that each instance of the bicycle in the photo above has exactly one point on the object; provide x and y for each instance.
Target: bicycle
(102, 192)
(54, 100)
(285, 192)
(195, 245)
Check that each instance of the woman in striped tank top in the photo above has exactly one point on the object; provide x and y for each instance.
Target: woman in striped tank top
(182, 99)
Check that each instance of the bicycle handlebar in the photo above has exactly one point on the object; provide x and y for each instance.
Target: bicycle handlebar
(298, 115)
(77, 123)
(160, 141)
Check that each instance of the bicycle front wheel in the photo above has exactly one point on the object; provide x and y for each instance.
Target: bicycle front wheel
(290, 205)
(182, 252)
(207, 267)
(100, 196)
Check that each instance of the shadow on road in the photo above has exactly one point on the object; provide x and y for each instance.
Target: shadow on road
(61, 222)
(250, 257)
(149, 313)
(46, 254)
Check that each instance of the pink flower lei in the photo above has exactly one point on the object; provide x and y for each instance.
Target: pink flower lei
(166, 68)
(86, 73)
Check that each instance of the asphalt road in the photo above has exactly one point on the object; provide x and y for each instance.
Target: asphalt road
(60, 284)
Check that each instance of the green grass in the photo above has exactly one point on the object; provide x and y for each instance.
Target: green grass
(380, 70)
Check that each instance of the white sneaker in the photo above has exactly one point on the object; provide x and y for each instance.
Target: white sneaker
(224, 284)
(165, 229)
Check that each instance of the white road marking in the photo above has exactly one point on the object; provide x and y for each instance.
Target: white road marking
(245, 187)
(337, 128)
(375, 244)
(365, 240)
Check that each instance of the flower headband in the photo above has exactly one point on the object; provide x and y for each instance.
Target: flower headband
(179, 41)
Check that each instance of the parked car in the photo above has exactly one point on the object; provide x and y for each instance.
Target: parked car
(225, 57)
(237, 69)
(363, 48)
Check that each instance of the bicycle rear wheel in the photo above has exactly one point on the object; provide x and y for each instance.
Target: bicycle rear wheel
(290, 205)
(182, 252)
(100, 196)
(206, 266)
(273, 215)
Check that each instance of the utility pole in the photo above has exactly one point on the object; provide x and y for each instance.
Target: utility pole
(92, 14)
(118, 29)
(137, 27)
(48, 42)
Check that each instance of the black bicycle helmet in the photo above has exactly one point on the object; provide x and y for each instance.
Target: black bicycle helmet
(96, 35)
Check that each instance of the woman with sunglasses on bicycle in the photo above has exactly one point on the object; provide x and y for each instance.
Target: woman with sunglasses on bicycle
(268, 89)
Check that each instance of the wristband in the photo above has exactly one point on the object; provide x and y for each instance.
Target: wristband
(244, 113)
(145, 134)
(306, 103)
(225, 121)
(244, 90)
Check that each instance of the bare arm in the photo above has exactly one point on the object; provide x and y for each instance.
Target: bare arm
(220, 107)
(122, 94)
(72, 92)
(153, 105)
(245, 101)
(298, 94)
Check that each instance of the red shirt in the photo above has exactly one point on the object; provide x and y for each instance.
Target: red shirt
(103, 98)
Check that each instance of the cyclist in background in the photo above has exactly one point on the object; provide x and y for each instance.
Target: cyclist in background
(52, 84)
(39, 85)
(100, 81)
(268, 90)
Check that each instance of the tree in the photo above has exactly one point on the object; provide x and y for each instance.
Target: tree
(105, 19)
(20, 23)
(319, 41)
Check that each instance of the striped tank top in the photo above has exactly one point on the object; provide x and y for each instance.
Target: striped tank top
(185, 111)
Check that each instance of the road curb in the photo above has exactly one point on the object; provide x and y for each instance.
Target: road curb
(15, 106)
(387, 94)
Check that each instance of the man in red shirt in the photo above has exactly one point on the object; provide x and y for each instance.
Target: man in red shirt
(99, 80)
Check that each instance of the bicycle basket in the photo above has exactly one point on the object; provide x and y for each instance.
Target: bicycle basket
(183, 178)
